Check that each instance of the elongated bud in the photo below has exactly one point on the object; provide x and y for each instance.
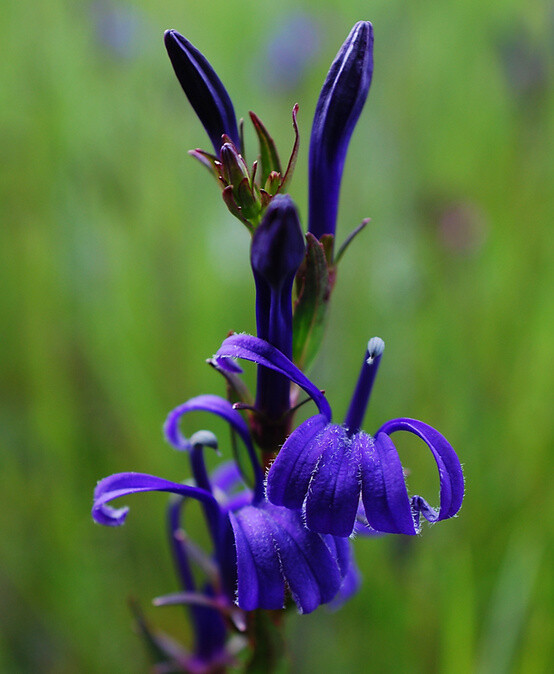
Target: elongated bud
(339, 106)
(277, 252)
(278, 244)
(234, 166)
(203, 88)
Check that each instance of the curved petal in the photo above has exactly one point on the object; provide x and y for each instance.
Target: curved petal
(334, 491)
(260, 352)
(384, 494)
(123, 484)
(222, 408)
(204, 403)
(289, 477)
(448, 464)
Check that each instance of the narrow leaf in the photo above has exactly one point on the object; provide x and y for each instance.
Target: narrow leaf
(268, 152)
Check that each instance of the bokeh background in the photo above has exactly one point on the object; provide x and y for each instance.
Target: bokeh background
(121, 271)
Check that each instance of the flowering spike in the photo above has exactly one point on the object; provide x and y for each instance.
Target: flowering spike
(339, 106)
(203, 88)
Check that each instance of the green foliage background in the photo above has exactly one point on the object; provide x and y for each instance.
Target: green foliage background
(121, 271)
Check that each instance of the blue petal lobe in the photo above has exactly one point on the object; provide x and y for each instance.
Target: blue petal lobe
(260, 581)
(334, 491)
(123, 484)
(384, 494)
(311, 570)
(289, 477)
(221, 408)
(274, 551)
(261, 352)
(448, 464)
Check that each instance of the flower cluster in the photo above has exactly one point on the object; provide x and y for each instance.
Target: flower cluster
(281, 529)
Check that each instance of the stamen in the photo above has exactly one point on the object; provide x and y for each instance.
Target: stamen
(360, 399)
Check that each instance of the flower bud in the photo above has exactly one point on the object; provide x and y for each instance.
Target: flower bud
(339, 106)
(203, 88)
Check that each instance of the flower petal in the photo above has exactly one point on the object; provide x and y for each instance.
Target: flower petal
(289, 477)
(204, 403)
(334, 491)
(384, 493)
(260, 581)
(260, 352)
(221, 408)
(274, 550)
(310, 568)
(448, 464)
(123, 484)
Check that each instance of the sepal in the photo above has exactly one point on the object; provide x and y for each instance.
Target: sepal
(314, 284)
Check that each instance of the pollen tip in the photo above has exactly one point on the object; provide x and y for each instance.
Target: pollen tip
(375, 348)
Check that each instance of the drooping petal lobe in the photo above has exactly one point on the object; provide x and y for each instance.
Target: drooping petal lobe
(204, 403)
(384, 494)
(334, 491)
(289, 477)
(275, 551)
(203, 88)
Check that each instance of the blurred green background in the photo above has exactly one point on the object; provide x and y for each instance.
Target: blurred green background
(121, 271)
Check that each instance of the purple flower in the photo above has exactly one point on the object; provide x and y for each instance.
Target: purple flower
(203, 88)
(277, 252)
(261, 551)
(323, 468)
(339, 106)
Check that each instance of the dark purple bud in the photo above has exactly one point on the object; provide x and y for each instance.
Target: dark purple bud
(277, 252)
(278, 244)
(338, 109)
(203, 88)
(233, 165)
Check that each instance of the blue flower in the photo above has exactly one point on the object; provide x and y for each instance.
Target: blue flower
(339, 106)
(203, 88)
(324, 468)
(261, 551)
